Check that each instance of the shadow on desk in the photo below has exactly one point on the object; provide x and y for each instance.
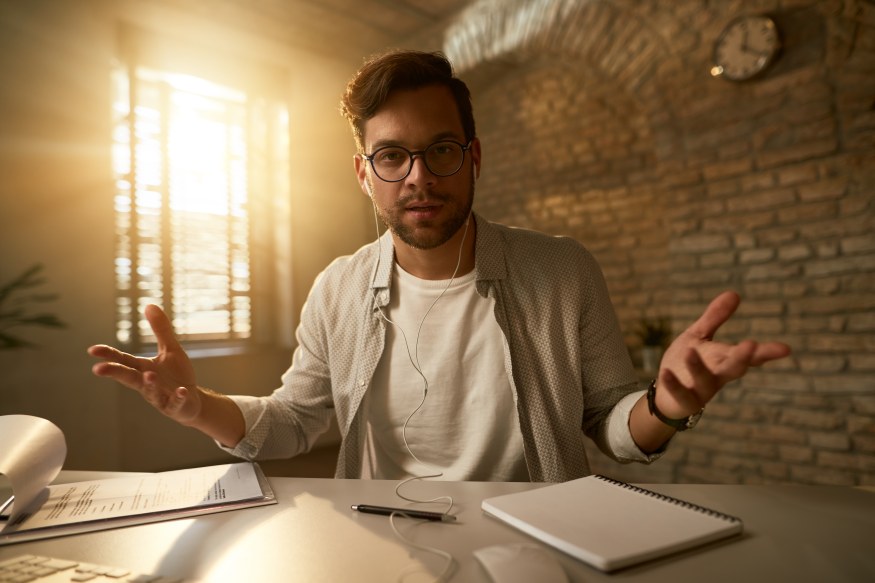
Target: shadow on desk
(318, 463)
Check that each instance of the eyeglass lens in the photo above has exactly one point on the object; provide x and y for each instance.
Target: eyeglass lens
(393, 163)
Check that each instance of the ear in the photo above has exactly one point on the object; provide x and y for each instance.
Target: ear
(361, 173)
(475, 156)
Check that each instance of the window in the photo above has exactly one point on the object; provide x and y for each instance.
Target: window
(194, 161)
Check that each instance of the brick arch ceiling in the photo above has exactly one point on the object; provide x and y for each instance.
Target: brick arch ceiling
(610, 40)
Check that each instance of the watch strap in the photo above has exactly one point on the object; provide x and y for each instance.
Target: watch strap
(676, 424)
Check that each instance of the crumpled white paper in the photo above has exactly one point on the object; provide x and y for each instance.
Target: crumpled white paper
(32, 454)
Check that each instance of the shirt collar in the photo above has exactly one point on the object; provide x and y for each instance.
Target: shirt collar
(488, 251)
(386, 258)
(489, 261)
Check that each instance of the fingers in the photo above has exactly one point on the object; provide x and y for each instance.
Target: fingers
(696, 368)
(696, 381)
(738, 359)
(161, 381)
(768, 351)
(697, 384)
(163, 329)
(704, 371)
(715, 315)
(718, 313)
(170, 402)
(131, 371)
(730, 362)
(129, 377)
(112, 354)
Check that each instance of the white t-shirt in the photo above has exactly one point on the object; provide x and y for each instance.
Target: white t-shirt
(467, 427)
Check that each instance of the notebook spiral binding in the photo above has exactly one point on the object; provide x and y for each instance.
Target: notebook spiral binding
(670, 499)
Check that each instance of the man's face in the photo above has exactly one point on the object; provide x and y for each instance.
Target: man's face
(422, 210)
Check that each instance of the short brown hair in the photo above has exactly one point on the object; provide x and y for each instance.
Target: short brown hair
(397, 70)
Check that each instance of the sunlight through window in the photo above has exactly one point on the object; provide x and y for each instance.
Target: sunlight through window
(186, 153)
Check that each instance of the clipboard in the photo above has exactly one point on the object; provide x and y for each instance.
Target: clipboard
(79, 507)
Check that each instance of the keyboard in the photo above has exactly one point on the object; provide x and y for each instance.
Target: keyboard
(42, 569)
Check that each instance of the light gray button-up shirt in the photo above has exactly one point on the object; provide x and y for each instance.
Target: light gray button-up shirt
(564, 355)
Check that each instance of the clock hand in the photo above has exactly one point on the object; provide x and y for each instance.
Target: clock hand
(744, 40)
(756, 52)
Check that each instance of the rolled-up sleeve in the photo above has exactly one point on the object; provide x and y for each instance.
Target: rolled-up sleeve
(253, 409)
(619, 435)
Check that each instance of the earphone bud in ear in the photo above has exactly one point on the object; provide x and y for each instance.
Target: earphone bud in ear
(368, 188)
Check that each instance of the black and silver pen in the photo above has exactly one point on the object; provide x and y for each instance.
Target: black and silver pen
(386, 511)
(5, 508)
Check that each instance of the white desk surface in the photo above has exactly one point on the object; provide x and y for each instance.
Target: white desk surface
(792, 533)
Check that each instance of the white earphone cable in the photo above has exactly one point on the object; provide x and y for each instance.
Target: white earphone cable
(414, 361)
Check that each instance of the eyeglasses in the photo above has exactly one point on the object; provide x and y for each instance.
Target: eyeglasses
(394, 163)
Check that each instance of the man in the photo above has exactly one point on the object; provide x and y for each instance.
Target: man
(450, 344)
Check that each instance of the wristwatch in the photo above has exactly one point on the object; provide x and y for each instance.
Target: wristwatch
(677, 424)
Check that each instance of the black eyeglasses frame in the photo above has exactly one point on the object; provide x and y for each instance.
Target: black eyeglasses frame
(421, 154)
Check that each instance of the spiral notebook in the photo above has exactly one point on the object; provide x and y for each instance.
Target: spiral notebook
(611, 524)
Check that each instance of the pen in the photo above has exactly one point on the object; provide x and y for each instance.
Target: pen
(5, 507)
(386, 511)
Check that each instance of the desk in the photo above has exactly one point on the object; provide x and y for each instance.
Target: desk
(792, 533)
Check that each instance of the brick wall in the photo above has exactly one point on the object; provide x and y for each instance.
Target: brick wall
(600, 121)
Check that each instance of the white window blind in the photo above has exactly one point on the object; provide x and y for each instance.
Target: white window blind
(191, 158)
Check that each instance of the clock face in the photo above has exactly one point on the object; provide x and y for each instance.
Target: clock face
(746, 47)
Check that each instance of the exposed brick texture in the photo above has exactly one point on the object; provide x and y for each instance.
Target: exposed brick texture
(603, 123)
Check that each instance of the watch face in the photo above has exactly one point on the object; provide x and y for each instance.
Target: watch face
(746, 47)
(694, 419)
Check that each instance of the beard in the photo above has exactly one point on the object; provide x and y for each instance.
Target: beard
(428, 238)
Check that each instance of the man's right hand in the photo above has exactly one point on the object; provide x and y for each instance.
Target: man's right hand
(166, 381)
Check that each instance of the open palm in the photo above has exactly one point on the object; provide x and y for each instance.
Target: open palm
(166, 381)
(695, 367)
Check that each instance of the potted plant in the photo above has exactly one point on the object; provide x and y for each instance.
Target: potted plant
(655, 335)
(15, 299)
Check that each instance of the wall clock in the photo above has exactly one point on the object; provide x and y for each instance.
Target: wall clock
(747, 46)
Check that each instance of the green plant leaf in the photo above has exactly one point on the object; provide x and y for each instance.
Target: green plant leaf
(8, 342)
(654, 331)
(14, 305)
(25, 280)
(11, 315)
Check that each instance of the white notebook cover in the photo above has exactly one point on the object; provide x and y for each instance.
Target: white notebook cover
(610, 524)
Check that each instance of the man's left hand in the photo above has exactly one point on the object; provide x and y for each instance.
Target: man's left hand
(695, 366)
